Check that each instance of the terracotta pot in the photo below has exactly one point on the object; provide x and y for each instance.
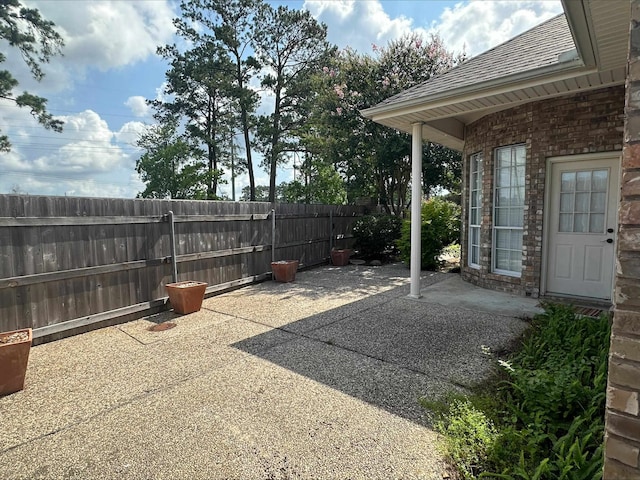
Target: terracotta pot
(340, 257)
(284, 270)
(14, 356)
(186, 297)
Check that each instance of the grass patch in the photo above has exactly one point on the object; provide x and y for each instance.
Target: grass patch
(542, 417)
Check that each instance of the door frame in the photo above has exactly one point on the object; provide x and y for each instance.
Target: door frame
(547, 203)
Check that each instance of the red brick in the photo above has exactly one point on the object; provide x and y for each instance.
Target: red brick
(631, 184)
(614, 470)
(629, 212)
(622, 400)
(622, 451)
(625, 321)
(624, 426)
(631, 155)
(624, 374)
(559, 126)
(629, 239)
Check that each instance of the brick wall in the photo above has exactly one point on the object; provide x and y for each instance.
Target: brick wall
(622, 444)
(575, 124)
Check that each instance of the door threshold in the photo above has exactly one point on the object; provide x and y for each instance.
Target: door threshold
(590, 307)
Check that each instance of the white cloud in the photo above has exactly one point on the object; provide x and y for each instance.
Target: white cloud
(130, 132)
(480, 25)
(358, 24)
(108, 33)
(138, 105)
(87, 158)
(473, 26)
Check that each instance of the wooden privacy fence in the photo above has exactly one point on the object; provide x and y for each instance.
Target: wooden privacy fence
(69, 262)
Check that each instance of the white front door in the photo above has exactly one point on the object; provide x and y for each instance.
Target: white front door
(582, 227)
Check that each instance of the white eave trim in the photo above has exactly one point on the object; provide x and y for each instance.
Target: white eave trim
(526, 79)
(581, 30)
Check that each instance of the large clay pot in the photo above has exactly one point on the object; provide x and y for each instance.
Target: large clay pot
(340, 257)
(186, 297)
(14, 356)
(284, 270)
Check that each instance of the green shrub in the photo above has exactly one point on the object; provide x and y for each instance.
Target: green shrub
(376, 234)
(548, 414)
(440, 228)
(469, 434)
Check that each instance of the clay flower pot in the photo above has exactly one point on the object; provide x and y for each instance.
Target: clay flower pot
(284, 270)
(14, 356)
(340, 257)
(186, 297)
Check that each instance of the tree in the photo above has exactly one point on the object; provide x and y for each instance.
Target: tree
(168, 165)
(376, 160)
(198, 81)
(232, 24)
(291, 45)
(37, 41)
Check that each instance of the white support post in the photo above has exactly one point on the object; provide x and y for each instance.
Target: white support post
(416, 204)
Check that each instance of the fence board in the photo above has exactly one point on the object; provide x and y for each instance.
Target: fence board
(70, 261)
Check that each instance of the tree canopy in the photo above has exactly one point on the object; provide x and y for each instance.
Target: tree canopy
(312, 95)
(37, 40)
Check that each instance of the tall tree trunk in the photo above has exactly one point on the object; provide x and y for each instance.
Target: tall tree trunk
(275, 139)
(244, 119)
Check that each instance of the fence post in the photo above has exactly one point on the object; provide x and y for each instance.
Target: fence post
(273, 234)
(174, 260)
(330, 231)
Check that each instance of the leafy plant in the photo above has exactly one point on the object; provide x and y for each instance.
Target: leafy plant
(548, 415)
(440, 227)
(376, 234)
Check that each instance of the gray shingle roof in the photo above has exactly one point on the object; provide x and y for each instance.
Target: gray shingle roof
(539, 47)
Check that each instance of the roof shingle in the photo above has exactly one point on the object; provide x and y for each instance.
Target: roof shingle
(542, 46)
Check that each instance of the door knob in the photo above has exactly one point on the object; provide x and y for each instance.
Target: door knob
(609, 240)
(609, 230)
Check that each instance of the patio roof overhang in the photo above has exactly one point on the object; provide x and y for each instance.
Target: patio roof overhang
(600, 32)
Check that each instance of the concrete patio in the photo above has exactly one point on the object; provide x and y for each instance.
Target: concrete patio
(319, 378)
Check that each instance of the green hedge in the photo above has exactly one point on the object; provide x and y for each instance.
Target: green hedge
(440, 228)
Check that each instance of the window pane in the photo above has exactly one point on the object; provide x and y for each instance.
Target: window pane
(582, 202)
(502, 217)
(596, 223)
(598, 201)
(516, 240)
(580, 222)
(599, 181)
(515, 261)
(516, 217)
(521, 155)
(566, 202)
(475, 236)
(502, 238)
(504, 177)
(583, 183)
(502, 259)
(518, 196)
(475, 205)
(509, 192)
(568, 182)
(504, 157)
(566, 222)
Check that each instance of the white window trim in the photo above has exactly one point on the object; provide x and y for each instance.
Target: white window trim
(479, 158)
(494, 269)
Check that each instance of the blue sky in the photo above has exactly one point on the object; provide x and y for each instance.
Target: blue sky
(110, 67)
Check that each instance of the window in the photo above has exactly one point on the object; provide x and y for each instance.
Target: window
(583, 201)
(475, 208)
(508, 213)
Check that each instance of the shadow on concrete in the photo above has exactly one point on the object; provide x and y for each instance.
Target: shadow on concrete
(388, 350)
